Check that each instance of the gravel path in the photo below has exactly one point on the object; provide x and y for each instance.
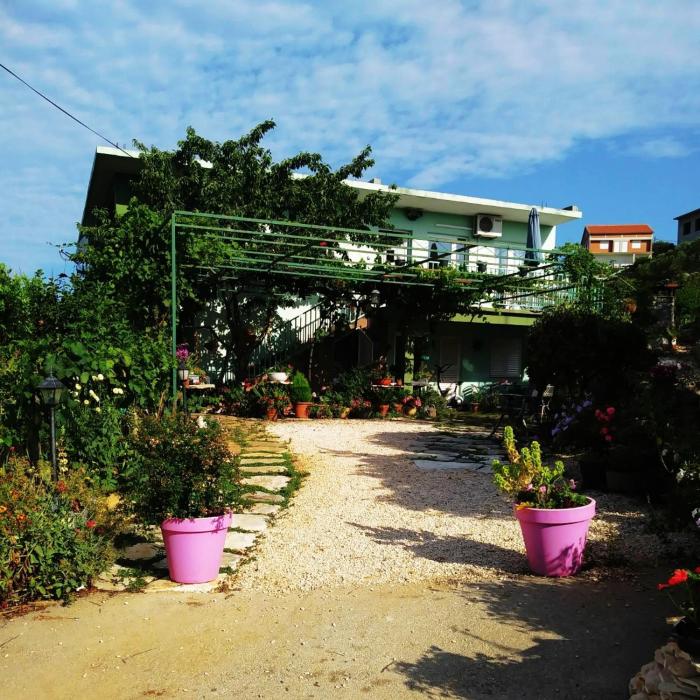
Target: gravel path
(366, 514)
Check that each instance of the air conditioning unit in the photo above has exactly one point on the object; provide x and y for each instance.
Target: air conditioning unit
(488, 226)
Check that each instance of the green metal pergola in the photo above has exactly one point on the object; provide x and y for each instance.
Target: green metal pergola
(364, 258)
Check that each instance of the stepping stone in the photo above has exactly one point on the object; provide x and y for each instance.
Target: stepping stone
(431, 464)
(240, 541)
(272, 469)
(251, 522)
(272, 456)
(264, 509)
(140, 551)
(262, 497)
(274, 483)
(444, 456)
(165, 585)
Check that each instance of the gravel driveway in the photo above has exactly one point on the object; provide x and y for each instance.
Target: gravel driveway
(366, 514)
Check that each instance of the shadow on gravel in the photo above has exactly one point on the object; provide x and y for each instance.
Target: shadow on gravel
(545, 639)
(450, 549)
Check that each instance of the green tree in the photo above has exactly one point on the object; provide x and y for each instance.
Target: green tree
(129, 256)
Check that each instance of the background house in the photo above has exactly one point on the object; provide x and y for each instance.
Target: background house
(434, 230)
(688, 226)
(618, 245)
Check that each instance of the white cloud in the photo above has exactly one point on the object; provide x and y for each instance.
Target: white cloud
(441, 90)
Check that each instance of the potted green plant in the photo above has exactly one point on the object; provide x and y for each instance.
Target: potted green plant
(272, 399)
(385, 397)
(300, 393)
(475, 399)
(183, 478)
(553, 517)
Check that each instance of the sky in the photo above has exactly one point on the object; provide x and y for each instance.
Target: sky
(593, 103)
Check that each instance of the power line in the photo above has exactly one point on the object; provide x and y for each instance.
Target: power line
(68, 114)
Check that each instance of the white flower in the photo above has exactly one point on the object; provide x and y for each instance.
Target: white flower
(117, 391)
(94, 377)
(98, 409)
(100, 377)
(86, 402)
(78, 387)
(94, 395)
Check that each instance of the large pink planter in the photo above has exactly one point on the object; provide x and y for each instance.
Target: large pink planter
(194, 547)
(555, 538)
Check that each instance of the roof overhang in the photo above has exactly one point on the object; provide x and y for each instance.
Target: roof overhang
(110, 162)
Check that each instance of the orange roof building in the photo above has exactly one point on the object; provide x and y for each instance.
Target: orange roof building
(618, 244)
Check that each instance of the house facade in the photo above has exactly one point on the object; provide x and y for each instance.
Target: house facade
(688, 226)
(619, 245)
(434, 230)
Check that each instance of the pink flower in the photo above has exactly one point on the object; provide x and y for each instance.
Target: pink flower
(542, 489)
(572, 484)
(610, 411)
(608, 438)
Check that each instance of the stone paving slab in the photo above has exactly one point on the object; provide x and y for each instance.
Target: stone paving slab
(251, 522)
(140, 551)
(274, 483)
(263, 497)
(434, 464)
(264, 509)
(271, 469)
(240, 541)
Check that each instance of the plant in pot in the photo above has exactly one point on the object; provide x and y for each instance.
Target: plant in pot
(385, 396)
(411, 404)
(554, 519)
(272, 400)
(300, 393)
(683, 587)
(475, 399)
(279, 373)
(183, 478)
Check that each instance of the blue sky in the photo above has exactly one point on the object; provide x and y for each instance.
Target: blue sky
(593, 103)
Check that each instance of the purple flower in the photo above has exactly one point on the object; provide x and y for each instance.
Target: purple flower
(542, 489)
(587, 403)
(579, 409)
(554, 431)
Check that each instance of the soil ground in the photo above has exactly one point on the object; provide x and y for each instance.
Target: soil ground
(526, 638)
(416, 615)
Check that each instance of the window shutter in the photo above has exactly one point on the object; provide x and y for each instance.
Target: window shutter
(506, 358)
(450, 356)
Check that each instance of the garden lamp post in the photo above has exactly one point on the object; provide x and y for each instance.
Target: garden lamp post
(183, 375)
(51, 391)
(374, 298)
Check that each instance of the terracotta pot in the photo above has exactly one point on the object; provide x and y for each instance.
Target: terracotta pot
(411, 411)
(475, 407)
(271, 414)
(431, 412)
(386, 381)
(301, 409)
(398, 408)
(383, 409)
(345, 412)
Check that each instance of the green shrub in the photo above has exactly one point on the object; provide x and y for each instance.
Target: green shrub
(179, 470)
(301, 389)
(52, 537)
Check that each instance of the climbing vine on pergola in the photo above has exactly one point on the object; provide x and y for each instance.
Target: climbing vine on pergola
(271, 257)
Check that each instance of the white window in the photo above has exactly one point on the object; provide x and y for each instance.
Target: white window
(506, 357)
(637, 244)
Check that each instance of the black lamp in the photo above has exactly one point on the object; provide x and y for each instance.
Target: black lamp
(183, 375)
(51, 392)
(374, 298)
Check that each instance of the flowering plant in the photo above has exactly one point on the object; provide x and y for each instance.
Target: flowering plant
(412, 402)
(689, 582)
(531, 483)
(179, 470)
(605, 420)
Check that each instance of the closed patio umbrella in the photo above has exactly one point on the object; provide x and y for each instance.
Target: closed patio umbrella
(534, 239)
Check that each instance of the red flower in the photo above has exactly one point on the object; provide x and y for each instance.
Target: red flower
(677, 577)
(696, 570)
(61, 487)
(90, 524)
(608, 438)
(604, 431)
(323, 244)
(610, 411)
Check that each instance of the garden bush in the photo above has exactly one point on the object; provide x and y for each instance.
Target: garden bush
(179, 470)
(53, 537)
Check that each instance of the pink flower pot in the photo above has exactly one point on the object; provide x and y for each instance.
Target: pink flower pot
(194, 547)
(555, 538)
